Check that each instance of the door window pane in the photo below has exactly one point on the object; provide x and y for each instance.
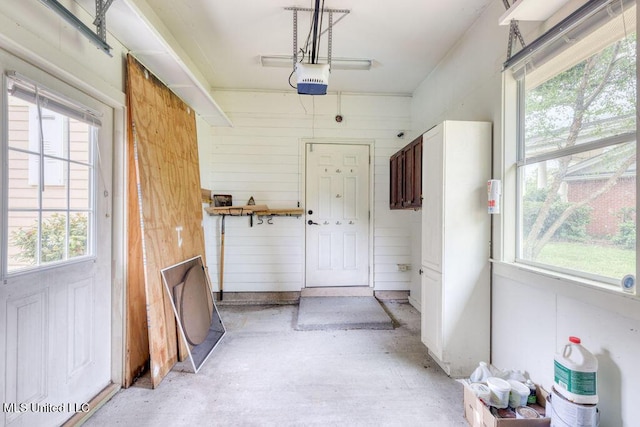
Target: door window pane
(78, 235)
(53, 237)
(22, 250)
(50, 180)
(55, 196)
(79, 185)
(22, 193)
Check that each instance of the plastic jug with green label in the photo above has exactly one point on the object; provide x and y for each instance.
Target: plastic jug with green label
(575, 372)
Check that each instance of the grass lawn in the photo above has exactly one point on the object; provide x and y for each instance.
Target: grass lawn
(603, 260)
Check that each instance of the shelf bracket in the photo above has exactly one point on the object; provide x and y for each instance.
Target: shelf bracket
(101, 18)
(514, 32)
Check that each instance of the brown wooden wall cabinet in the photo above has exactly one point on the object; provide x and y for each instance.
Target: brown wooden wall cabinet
(405, 190)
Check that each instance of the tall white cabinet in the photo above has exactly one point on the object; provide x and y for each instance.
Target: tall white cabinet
(456, 165)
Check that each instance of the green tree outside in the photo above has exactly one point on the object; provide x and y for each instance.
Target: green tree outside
(594, 99)
(53, 239)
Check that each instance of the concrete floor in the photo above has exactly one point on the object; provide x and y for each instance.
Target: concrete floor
(265, 373)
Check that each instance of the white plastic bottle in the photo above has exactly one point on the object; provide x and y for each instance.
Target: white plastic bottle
(481, 373)
(517, 376)
(575, 372)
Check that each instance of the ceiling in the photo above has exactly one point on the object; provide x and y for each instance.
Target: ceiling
(405, 39)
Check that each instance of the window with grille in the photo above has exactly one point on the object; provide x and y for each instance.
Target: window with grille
(577, 144)
(49, 148)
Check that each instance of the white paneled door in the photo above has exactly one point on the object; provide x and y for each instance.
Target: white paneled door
(55, 256)
(337, 215)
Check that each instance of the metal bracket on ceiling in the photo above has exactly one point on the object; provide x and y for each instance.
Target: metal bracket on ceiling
(343, 13)
(100, 38)
(514, 32)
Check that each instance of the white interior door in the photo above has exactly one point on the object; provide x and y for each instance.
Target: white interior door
(337, 215)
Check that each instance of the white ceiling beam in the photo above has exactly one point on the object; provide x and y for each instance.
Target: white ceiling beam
(531, 10)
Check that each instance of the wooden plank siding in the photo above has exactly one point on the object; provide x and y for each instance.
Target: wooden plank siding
(262, 156)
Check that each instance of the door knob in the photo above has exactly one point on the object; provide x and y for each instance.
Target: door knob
(312, 223)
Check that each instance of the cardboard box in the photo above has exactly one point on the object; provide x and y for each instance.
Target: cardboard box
(479, 415)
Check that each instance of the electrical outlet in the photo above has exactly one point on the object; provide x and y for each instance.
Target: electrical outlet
(404, 267)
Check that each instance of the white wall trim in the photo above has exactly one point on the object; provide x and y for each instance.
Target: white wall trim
(119, 247)
(505, 233)
(583, 290)
(415, 303)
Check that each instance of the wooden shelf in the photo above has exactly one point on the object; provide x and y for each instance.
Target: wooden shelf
(281, 212)
(258, 210)
(531, 10)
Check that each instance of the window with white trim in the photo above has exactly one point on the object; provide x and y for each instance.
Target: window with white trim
(577, 144)
(49, 183)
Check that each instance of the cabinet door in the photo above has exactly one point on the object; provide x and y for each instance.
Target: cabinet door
(405, 177)
(431, 317)
(408, 162)
(432, 202)
(413, 174)
(417, 173)
(395, 181)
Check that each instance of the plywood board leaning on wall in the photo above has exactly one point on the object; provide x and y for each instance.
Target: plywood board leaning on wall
(137, 345)
(165, 167)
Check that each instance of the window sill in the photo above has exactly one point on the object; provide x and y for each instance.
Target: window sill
(596, 293)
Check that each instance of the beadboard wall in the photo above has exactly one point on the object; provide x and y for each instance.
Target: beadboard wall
(262, 156)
